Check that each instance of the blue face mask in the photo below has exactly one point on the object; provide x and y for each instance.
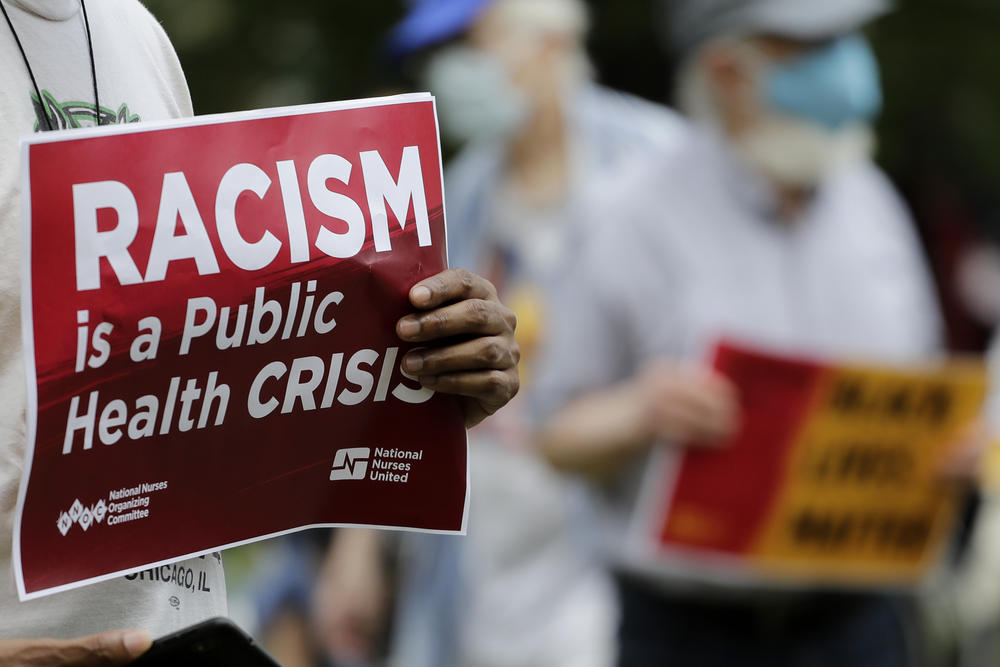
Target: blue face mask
(835, 86)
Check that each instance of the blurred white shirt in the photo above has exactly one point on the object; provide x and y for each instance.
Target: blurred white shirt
(689, 251)
(527, 588)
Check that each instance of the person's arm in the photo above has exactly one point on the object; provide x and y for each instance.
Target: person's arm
(108, 649)
(351, 597)
(598, 432)
(469, 342)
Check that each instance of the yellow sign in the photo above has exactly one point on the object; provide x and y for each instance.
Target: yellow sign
(836, 474)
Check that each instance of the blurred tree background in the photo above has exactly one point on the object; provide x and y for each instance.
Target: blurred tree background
(939, 134)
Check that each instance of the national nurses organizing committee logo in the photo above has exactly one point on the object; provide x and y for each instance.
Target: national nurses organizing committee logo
(350, 463)
(82, 515)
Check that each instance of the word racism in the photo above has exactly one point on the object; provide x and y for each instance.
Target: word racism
(177, 202)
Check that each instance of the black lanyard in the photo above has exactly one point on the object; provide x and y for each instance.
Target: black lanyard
(38, 92)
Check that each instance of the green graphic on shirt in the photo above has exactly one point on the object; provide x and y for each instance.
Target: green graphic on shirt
(66, 115)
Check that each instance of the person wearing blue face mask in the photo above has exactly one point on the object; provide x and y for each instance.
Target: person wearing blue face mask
(770, 226)
(795, 110)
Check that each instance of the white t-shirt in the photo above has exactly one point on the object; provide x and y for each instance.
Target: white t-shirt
(139, 79)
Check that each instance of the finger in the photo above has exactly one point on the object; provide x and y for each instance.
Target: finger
(720, 398)
(695, 415)
(346, 647)
(479, 354)
(719, 415)
(709, 432)
(706, 405)
(117, 647)
(961, 471)
(354, 642)
(354, 637)
(493, 386)
(469, 317)
(721, 386)
(964, 465)
(450, 285)
(690, 427)
(675, 426)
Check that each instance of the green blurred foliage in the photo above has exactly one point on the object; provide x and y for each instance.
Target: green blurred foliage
(242, 54)
(941, 71)
(940, 64)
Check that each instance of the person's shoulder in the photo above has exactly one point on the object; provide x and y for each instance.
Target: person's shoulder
(135, 21)
(864, 175)
(152, 46)
(132, 13)
(474, 162)
(130, 9)
(651, 183)
(136, 16)
(867, 188)
(630, 113)
(630, 121)
(871, 216)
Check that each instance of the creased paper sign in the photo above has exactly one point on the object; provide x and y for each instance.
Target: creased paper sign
(209, 319)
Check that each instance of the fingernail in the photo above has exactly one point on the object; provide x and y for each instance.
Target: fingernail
(429, 381)
(409, 327)
(413, 363)
(420, 294)
(137, 642)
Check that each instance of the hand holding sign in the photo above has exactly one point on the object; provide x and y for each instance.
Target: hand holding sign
(212, 343)
(833, 477)
(484, 369)
(687, 405)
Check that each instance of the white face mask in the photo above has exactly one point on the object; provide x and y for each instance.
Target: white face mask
(800, 153)
(475, 97)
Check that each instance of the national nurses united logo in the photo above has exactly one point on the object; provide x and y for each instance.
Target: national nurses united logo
(350, 463)
(380, 464)
(78, 513)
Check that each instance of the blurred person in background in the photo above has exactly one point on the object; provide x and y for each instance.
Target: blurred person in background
(770, 226)
(513, 87)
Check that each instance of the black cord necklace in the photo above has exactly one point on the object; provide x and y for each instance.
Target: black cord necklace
(31, 73)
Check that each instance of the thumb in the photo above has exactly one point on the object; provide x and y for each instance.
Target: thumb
(117, 647)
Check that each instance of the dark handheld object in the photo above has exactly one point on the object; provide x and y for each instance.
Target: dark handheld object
(216, 642)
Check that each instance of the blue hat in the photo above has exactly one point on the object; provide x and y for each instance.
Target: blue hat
(431, 22)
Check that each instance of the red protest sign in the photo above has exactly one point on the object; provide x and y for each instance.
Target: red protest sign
(833, 478)
(209, 322)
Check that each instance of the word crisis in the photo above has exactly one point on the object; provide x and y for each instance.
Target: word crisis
(178, 203)
(308, 383)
